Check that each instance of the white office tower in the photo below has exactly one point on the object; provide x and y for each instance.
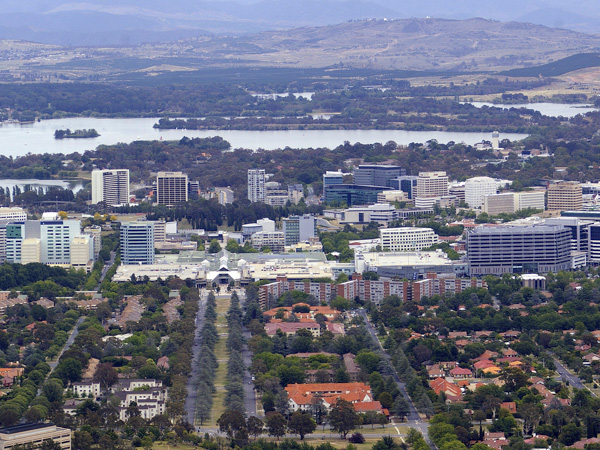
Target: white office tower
(171, 188)
(256, 185)
(95, 232)
(530, 200)
(407, 239)
(432, 184)
(478, 187)
(495, 140)
(137, 242)
(110, 186)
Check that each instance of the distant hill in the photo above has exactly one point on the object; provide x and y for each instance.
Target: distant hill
(115, 22)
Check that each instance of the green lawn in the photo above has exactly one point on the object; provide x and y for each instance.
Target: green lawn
(222, 355)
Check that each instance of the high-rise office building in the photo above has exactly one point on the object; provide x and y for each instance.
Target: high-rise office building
(137, 242)
(82, 252)
(406, 183)
(495, 204)
(377, 175)
(565, 196)
(256, 185)
(171, 188)
(332, 178)
(432, 184)
(478, 187)
(95, 232)
(299, 228)
(110, 186)
(518, 249)
(530, 199)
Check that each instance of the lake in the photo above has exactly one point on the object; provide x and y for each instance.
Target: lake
(75, 186)
(38, 137)
(547, 109)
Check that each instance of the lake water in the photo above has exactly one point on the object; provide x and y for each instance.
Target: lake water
(18, 140)
(547, 109)
(75, 186)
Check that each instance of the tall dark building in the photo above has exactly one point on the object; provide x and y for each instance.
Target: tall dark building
(375, 175)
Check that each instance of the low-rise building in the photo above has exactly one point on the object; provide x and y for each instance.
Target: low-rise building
(34, 434)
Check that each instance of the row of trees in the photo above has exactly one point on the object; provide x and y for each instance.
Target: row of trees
(207, 363)
(234, 398)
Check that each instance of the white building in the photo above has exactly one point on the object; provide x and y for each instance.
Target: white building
(478, 187)
(95, 232)
(110, 186)
(256, 185)
(13, 215)
(262, 225)
(31, 251)
(407, 239)
(275, 240)
(530, 199)
(382, 213)
(85, 388)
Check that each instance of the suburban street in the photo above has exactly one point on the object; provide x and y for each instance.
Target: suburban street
(573, 380)
(413, 418)
(249, 392)
(190, 401)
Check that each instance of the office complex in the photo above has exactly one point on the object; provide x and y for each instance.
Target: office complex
(565, 196)
(594, 243)
(171, 188)
(432, 184)
(518, 249)
(407, 239)
(478, 187)
(331, 178)
(44, 241)
(110, 186)
(275, 240)
(377, 175)
(82, 252)
(256, 185)
(137, 242)
(299, 228)
(352, 194)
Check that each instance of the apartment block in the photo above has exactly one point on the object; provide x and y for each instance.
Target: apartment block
(171, 188)
(256, 185)
(110, 186)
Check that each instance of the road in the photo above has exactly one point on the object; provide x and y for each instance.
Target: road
(249, 392)
(573, 380)
(190, 401)
(68, 344)
(107, 265)
(413, 418)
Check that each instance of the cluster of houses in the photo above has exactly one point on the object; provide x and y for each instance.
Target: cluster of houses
(302, 316)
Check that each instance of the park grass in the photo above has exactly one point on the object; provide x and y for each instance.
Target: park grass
(158, 445)
(222, 355)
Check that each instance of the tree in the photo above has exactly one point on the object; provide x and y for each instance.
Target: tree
(386, 443)
(276, 424)
(343, 418)
(231, 422)
(255, 426)
(570, 434)
(214, 246)
(301, 424)
(401, 407)
(106, 375)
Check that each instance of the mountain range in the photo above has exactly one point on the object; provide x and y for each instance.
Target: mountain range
(124, 22)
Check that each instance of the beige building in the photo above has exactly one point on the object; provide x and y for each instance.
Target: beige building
(432, 184)
(82, 252)
(565, 196)
(31, 251)
(34, 434)
(95, 233)
(171, 188)
(499, 204)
